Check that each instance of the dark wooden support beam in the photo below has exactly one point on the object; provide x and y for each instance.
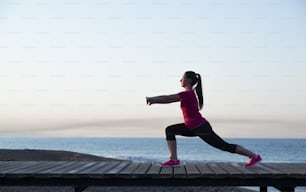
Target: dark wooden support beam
(80, 188)
(263, 189)
(286, 189)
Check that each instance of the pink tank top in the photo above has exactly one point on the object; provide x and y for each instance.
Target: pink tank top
(190, 109)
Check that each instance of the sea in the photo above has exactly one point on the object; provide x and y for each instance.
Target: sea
(155, 149)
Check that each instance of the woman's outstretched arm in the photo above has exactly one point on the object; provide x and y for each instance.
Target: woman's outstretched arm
(163, 99)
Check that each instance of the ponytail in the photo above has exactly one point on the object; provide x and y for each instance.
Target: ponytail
(199, 91)
(196, 80)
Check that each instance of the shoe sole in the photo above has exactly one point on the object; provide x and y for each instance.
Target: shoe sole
(253, 164)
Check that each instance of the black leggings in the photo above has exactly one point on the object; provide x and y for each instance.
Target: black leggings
(205, 132)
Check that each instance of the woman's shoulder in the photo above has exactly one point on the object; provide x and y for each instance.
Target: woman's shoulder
(186, 93)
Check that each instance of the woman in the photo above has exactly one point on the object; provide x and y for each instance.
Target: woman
(194, 124)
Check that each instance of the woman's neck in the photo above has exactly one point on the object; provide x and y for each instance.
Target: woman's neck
(188, 88)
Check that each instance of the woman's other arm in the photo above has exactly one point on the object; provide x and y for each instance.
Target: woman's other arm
(163, 99)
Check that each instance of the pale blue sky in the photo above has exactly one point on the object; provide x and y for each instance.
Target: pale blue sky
(83, 68)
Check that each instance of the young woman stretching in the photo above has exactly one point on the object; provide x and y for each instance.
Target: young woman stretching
(194, 124)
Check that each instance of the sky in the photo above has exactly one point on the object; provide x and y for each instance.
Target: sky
(83, 68)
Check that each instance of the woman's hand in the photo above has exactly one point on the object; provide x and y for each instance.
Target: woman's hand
(149, 101)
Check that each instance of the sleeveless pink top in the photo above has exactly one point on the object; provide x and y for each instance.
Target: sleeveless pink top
(190, 109)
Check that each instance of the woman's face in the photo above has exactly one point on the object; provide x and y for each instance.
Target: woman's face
(185, 81)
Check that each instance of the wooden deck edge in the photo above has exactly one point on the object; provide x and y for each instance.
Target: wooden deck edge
(32, 181)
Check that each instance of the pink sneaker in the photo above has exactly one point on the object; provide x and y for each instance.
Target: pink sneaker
(170, 163)
(253, 161)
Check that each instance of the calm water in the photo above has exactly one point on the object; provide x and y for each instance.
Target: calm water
(155, 149)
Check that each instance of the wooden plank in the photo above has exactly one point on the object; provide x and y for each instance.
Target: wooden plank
(130, 169)
(65, 170)
(166, 172)
(260, 170)
(142, 169)
(302, 165)
(93, 168)
(293, 170)
(298, 168)
(289, 168)
(81, 167)
(273, 168)
(115, 170)
(108, 166)
(5, 164)
(192, 170)
(154, 170)
(264, 170)
(55, 166)
(32, 168)
(283, 167)
(42, 166)
(244, 170)
(10, 165)
(179, 172)
(204, 169)
(18, 166)
(231, 170)
(51, 165)
(215, 167)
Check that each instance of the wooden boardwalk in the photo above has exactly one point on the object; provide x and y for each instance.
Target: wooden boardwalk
(83, 174)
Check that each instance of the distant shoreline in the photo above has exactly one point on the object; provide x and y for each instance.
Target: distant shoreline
(48, 155)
